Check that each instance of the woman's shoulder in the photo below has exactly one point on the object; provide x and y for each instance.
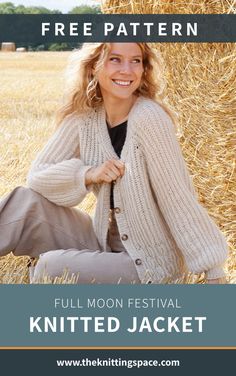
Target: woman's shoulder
(73, 120)
(149, 113)
(145, 102)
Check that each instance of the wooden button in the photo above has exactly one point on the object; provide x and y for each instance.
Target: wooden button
(117, 210)
(124, 237)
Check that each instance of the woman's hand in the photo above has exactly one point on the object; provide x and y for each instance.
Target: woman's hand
(217, 281)
(106, 173)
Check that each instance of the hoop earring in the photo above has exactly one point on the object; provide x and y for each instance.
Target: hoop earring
(91, 90)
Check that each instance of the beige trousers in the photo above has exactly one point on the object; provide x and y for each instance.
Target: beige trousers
(64, 240)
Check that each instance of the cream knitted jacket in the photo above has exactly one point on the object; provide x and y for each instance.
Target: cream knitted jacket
(162, 225)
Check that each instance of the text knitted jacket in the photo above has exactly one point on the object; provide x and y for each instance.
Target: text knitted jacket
(162, 225)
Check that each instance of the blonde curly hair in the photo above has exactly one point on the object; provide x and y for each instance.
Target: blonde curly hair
(82, 88)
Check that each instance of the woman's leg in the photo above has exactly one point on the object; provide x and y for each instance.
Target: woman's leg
(88, 266)
(31, 225)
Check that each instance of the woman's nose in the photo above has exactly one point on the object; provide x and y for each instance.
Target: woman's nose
(125, 68)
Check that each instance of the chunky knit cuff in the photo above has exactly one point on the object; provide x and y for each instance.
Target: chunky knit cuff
(216, 272)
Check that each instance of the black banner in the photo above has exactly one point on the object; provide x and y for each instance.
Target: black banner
(78, 28)
(126, 362)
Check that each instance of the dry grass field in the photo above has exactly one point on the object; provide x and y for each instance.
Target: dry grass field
(30, 92)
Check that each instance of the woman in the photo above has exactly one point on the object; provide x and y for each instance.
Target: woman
(116, 140)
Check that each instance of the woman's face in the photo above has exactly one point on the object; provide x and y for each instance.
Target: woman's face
(122, 71)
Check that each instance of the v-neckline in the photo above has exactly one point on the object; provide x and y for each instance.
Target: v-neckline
(105, 137)
(116, 126)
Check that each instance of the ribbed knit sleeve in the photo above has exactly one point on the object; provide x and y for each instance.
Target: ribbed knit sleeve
(57, 172)
(197, 236)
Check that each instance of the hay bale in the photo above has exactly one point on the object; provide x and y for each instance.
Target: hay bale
(8, 47)
(21, 49)
(168, 6)
(201, 87)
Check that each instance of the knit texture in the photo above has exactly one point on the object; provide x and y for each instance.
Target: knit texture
(162, 225)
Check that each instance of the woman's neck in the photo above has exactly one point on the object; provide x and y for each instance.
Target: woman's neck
(117, 111)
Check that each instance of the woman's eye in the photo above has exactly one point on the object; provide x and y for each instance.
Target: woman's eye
(118, 60)
(115, 59)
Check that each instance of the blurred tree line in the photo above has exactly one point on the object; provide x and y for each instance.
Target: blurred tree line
(10, 8)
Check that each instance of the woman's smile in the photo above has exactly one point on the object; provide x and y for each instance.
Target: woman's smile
(122, 82)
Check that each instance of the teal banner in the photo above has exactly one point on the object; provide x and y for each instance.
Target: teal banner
(120, 315)
(79, 28)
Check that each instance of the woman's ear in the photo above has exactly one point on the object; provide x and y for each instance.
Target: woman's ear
(93, 70)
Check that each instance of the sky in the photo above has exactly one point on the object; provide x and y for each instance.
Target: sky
(62, 5)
